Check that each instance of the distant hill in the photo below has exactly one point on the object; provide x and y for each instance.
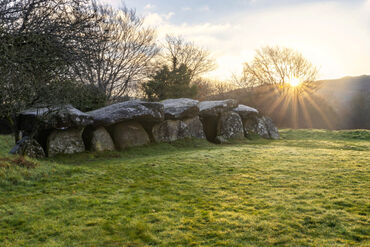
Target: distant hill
(350, 98)
(341, 92)
(337, 104)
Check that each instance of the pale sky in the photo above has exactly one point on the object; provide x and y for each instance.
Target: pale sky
(334, 35)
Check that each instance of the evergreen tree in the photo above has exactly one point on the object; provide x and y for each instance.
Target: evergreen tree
(166, 84)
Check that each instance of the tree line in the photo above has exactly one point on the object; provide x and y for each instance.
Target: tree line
(83, 53)
(88, 54)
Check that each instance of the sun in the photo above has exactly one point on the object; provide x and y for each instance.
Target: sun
(294, 81)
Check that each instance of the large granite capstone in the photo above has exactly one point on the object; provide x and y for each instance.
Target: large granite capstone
(56, 117)
(245, 111)
(214, 108)
(129, 110)
(180, 108)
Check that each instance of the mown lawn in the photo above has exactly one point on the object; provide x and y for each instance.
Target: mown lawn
(310, 189)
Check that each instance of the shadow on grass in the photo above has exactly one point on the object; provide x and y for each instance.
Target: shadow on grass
(152, 150)
(357, 140)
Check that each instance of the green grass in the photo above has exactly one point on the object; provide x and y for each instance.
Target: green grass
(309, 189)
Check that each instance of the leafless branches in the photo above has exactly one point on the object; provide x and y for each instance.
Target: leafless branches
(207, 88)
(40, 40)
(177, 51)
(278, 66)
(121, 56)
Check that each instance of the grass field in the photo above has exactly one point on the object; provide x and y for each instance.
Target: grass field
(312, 188)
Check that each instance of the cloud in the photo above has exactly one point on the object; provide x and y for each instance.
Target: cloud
(332, 35)
(153, 20)
(168, 15)
(149, 6)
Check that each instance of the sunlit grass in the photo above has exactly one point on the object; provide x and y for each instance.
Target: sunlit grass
(309, 189)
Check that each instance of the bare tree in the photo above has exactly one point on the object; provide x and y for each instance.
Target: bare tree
(122, 55)
(66, 24)
(281, 67)
(177, 51)
(207, 88)
(39, 42)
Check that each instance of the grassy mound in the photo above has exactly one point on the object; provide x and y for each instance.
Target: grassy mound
(308, 189)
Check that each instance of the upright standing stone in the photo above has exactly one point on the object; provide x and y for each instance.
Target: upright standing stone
(194, 128)
(262, 126)
(67, 141)
(173, 130)
(210, 113)
(230, 126)
(169, 131)
(28, 147)
(101, 140)
(273, 131)
(129, 134)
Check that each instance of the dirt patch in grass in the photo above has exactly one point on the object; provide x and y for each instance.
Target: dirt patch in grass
(19, 161)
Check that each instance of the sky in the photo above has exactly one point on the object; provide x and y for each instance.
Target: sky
(333, 35)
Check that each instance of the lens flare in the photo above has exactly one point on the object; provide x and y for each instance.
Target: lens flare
(294, 82)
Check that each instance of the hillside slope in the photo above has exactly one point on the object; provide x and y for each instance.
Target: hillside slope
(337, 104)
(340, 92)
